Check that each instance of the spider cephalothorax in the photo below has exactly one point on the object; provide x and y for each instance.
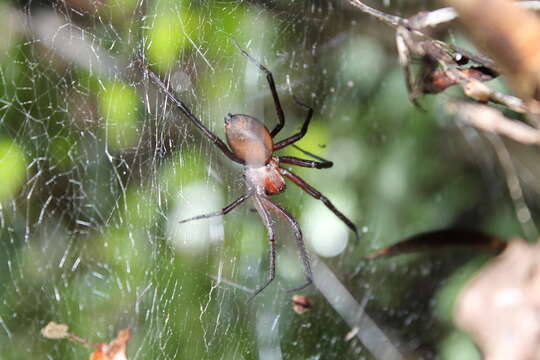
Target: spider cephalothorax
(266, 179)
(251, 144)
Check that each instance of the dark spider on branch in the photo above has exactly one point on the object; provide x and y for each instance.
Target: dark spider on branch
(251, 144)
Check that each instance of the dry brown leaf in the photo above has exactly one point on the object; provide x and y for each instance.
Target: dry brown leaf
(55, 331)
(439, 80)
(441, 239)
(301, 304)
(115, 350)
(500, 307)
(510, 35)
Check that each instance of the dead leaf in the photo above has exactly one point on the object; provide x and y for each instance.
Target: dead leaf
(439, 80)
(115, 350)
(510, 35)
(55, 331)
(301, 304)
(438, 239)
(500, 307)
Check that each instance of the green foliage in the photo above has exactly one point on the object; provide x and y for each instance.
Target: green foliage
(459, 346)
(118, 105)
(95, 170)
(168, 36)
(12, 168)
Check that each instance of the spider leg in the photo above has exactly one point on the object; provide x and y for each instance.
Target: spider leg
(299, 241)
(223, 211)
(317, 195)
(322, 163)
(305, 163)
(187, 112)
(311, 155)
(271, 85)
(288, 141)
(267, 221)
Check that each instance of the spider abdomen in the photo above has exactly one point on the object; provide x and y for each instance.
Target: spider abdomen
(249, 139)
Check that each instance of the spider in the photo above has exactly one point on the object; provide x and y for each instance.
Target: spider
(252, 145)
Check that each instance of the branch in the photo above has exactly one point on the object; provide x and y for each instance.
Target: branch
(391, 20)
(488, 119)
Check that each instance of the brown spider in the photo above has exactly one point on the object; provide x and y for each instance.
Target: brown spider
(251, 144)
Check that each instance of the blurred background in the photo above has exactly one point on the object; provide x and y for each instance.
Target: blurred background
(96, 169)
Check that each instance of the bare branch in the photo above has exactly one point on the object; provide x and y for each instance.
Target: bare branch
(488, 119)
(391, 20)
(510, 35)
(426, 18)
(412, 42)
(482, 93)
(337, 295)
(523, 213)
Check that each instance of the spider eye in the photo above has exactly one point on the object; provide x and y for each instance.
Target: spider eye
(228, 117)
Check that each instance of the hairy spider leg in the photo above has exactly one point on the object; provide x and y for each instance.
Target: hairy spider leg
(271, 85)
(221, 212)
(294, 138)
(321, 163)
(304, 256)
(187, 112)
(311, 155)
(305, 163)
(260, 206)
(317, 195)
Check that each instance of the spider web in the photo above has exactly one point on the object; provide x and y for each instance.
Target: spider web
(96, 169)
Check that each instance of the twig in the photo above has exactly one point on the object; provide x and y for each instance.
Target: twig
(411, 41)
(478, 91)
(488, 119)
(425, 19)
(373, 338)
(391, 20)
(523, 213)
(443, 15)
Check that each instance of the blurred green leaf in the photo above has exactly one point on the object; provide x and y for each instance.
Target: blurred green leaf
(168, 36)
(118, 105)
(12, 168)
(458, 345)
(60, 149)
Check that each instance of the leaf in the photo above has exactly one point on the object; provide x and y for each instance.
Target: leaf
(301, 304)
(510, 35)
(499, 306)
(115, 350)
(438, 79)
(55, 331)
(439, 239)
